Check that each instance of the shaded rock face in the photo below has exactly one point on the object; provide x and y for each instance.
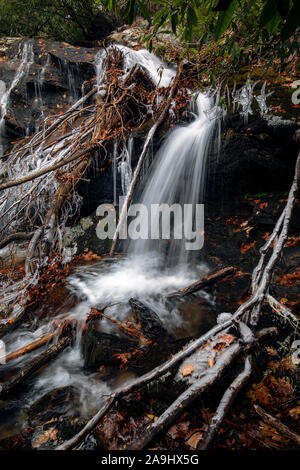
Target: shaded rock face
(100, 348)
(53, 79)
(255, 157)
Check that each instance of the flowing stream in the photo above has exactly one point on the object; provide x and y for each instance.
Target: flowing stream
(149, 269)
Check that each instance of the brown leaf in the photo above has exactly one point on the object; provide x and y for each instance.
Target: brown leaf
(45, 437)
(194, 440)
(187, 370)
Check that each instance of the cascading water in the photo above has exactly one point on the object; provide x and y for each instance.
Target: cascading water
(27, 60)
(178, 177)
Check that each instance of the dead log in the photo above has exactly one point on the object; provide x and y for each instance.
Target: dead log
(143, 155)
(15, 236)
(29, 347)
(34, 365)
(206, 281)
(225, 404)
(275, 423)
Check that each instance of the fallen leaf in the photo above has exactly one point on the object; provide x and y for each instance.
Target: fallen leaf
(194, 440)
(210, 362)
(45, 437)
(187, 370)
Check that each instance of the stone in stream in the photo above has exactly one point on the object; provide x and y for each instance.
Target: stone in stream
(99, 348)
(54, 404)
(151, 325)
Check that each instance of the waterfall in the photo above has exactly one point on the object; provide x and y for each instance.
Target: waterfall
(39, 84)
(178, 177)
(27, 60)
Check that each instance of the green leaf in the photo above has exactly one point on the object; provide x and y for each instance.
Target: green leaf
(191, 15)
(268, 12)
(224, 20)
(274, 23)
(292, 21)
(174, 21)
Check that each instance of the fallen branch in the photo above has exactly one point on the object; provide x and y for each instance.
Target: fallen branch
(275, 423)
(283, 311)
(142, 381)
(128, 330)
(28, 348)
(225, 404)
(143, 155)
(15, 236)
(189, 395)
(209, 279)
(48, 169)
(34, 365)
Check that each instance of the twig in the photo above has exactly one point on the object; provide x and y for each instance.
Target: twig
(283, 311)
(28, 348)
(209, 279)
(275, 423)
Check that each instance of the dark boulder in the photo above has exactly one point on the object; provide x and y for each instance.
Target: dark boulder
(51, 406)
(100, 348)
(151, 325)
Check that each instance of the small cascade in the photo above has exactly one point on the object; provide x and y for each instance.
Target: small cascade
(161, 74)
(27, 59)
(39, 84)
(178, 177)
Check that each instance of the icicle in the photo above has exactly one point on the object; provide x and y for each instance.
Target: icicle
(115, 173)
(261, 99)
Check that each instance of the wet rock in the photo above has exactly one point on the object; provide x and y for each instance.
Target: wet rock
(99, 348)
(51, 406)
(151, 325)
(51, 81)
(257, 156)
(83, 236)
(54, 433)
